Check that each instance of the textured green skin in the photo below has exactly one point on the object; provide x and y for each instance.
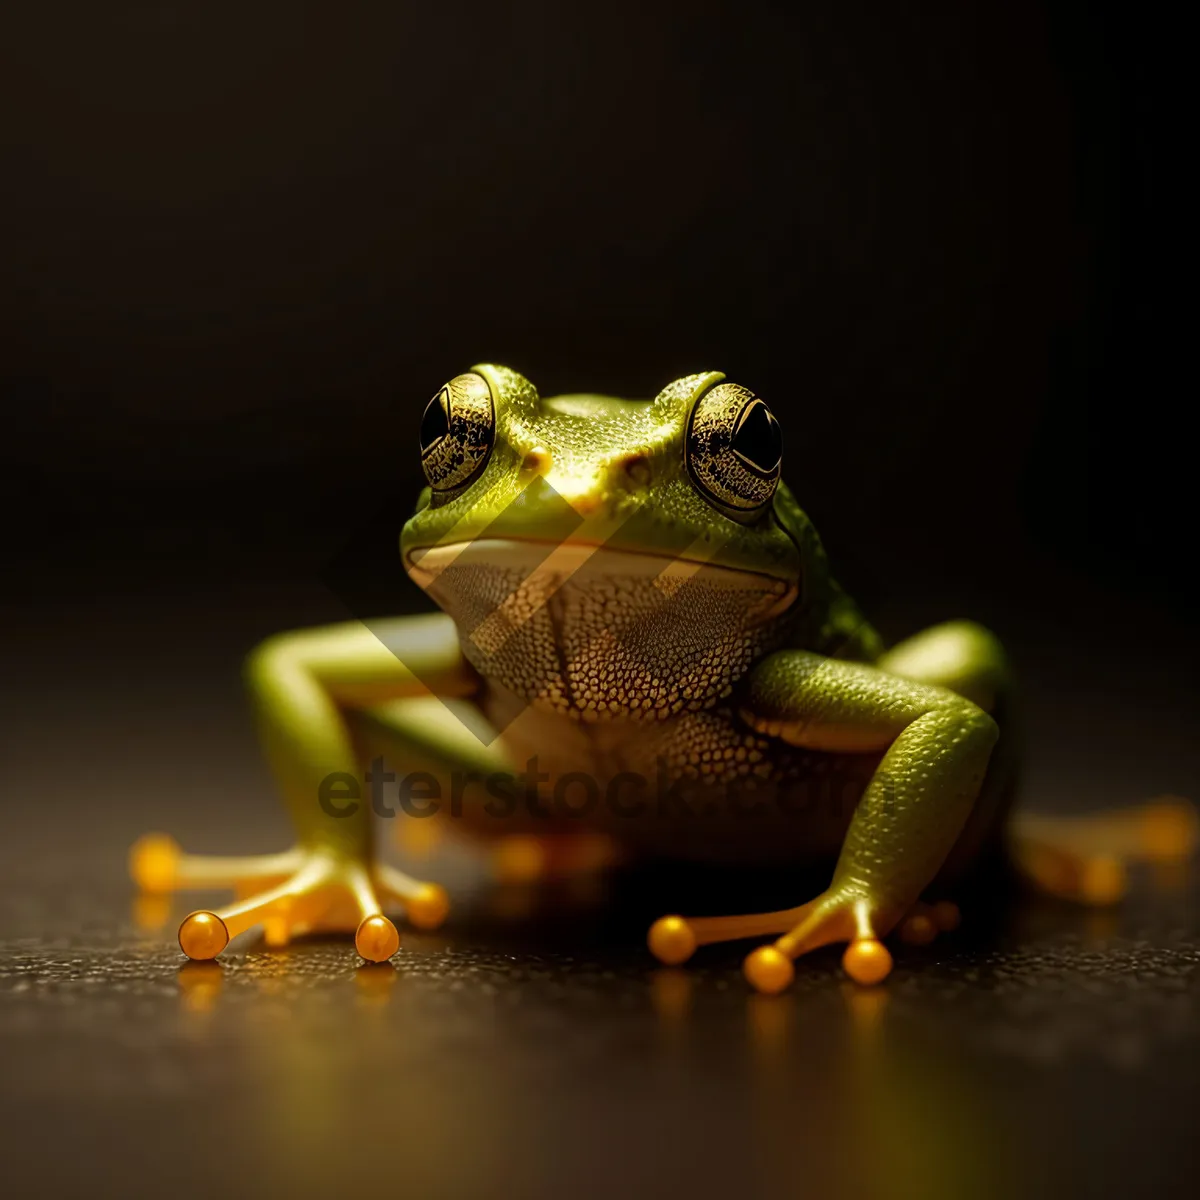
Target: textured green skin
(910, 724)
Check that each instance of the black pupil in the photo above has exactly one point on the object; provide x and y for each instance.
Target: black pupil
(434, 424)
(758, 439)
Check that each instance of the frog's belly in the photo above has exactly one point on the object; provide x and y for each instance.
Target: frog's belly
(698, 786)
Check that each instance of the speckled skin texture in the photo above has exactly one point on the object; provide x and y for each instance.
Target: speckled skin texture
(894, 846)
(603, 644)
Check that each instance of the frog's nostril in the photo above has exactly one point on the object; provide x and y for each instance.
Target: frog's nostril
(636, 469)
(537, 461)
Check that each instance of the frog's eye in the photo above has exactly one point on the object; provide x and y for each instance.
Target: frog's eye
(457, 432)
(734, 448)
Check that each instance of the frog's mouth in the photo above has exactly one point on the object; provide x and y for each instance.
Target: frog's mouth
(592, 629)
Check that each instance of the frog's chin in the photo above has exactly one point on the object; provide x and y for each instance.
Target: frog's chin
(593, 632)
(548, 566)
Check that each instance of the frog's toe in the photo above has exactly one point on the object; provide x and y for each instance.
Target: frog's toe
(768, 971)
(203, 935)
(326, 893)
(1070, 873)
(859, 920)
(917, 929)
(673, 939)
(291, 894)
(867, 961)
(831, 917)
(376, 939)
(158, 866)
(923, 922)
(1085, 859)
(425, 904)
(286, 907)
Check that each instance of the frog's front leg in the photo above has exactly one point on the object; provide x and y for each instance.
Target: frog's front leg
(936, 746)
(304, 685)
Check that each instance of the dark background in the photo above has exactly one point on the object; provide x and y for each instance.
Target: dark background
(241, 245)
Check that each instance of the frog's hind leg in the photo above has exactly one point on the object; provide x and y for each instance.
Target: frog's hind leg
(1084, 859)
(969, 660)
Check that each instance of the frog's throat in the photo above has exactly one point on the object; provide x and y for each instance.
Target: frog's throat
(546, 567)
(595, 633)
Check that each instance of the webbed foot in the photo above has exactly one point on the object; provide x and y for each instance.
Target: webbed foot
(1085, 859)
(300, 891)
(831, 917)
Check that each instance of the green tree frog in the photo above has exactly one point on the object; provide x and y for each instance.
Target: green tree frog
(640, 638)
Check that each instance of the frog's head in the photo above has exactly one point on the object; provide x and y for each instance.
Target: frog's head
(606, 557)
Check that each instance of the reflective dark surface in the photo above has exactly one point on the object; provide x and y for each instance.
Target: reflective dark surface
(532, 1048)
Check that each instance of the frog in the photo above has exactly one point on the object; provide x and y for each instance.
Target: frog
(631, 608)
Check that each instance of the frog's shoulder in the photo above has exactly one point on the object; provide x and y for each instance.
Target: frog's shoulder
(827, 620)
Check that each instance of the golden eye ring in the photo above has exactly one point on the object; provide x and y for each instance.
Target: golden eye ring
(458, 430)
(734, 448)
